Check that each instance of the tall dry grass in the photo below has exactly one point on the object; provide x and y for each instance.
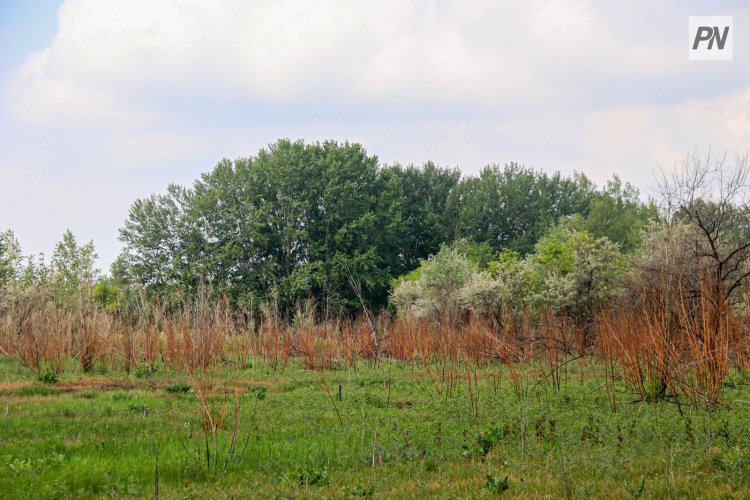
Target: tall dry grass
(685, 349)
(661, 346)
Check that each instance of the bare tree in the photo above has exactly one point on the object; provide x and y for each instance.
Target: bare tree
(713, 198)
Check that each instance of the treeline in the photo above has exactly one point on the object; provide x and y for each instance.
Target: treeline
(324, 225)
(325, 222)
(292, 252)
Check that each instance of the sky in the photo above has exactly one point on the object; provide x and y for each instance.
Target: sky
(103, 102)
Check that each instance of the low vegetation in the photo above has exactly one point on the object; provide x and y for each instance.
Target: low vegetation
(389, 430)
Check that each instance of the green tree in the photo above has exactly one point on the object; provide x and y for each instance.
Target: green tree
(425, 224)
(514, 278)
(293, 222)
(162, 247)
(512, 207)
(72, 270)
(104, 294)
(619, 214)
(576, 273)
(437, 292)
(10, 260)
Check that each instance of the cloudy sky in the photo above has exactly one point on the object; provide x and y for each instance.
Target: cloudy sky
(106, 101)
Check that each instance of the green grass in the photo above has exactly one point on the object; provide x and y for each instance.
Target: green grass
(96, 436)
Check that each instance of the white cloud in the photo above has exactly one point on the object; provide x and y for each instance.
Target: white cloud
(109, 56)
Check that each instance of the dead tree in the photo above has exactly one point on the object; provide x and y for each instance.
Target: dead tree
(713, 198)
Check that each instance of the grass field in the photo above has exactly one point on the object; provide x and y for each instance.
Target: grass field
(390, 430)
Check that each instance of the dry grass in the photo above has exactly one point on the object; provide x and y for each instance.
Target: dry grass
(660, 346)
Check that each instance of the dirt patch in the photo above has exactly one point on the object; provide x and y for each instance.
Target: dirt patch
(14, 385)
(105, 384)
(9, 387)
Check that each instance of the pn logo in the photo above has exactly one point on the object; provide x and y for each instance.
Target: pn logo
(711, 38)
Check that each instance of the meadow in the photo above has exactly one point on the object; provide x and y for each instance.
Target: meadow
(380, 429)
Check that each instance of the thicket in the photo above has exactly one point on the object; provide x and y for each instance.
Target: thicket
(316, 251)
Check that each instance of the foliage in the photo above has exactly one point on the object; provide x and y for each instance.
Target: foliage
(481, 294)
(177, 388)
(293, 222)
(619, 214)
(713, 199)
(576, 273)
(424, 203)
(512, 207)
(10, 260)
(409, 298)
(104, 294)
(72, 270)
(48, 376)
(437, 291)
(497, 485)
(514, 277)
(323, 221)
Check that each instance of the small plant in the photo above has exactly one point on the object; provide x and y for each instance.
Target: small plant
(359, 491)
(121, 396)
(260, 392)
(313, 476)
(138, 408)
(147, 369)
(48, 377)
(177, 388)
(591, 432)
(496, 485)
(487, 440)
(19, 466)
(635, 493)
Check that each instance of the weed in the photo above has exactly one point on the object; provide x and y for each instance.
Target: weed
(35, 390)
(635, 493)
(497, 485)
(260, 392)
(487, 440)
(138, 408)
(359, 491)
(121, 396)
(48, 377)
(146, 369)
(177, 388)
(313, 476)
(19, 466)
(591, 432)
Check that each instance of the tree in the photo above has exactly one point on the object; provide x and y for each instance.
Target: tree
(513, 274)
(618, 213)
(576, 273)
(512, 207)
(437, 292)
(713, 198)
(72, 270)
(296, 221)
(161, 245)
(424, 196)
(10, 259)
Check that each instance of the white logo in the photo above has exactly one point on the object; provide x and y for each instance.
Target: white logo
(711, 38)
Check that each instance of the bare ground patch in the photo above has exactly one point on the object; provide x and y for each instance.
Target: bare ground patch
(10, 387)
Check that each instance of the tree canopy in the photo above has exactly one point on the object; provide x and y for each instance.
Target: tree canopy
(326, 221)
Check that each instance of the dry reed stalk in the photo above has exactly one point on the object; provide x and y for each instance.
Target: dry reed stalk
(707, 333)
